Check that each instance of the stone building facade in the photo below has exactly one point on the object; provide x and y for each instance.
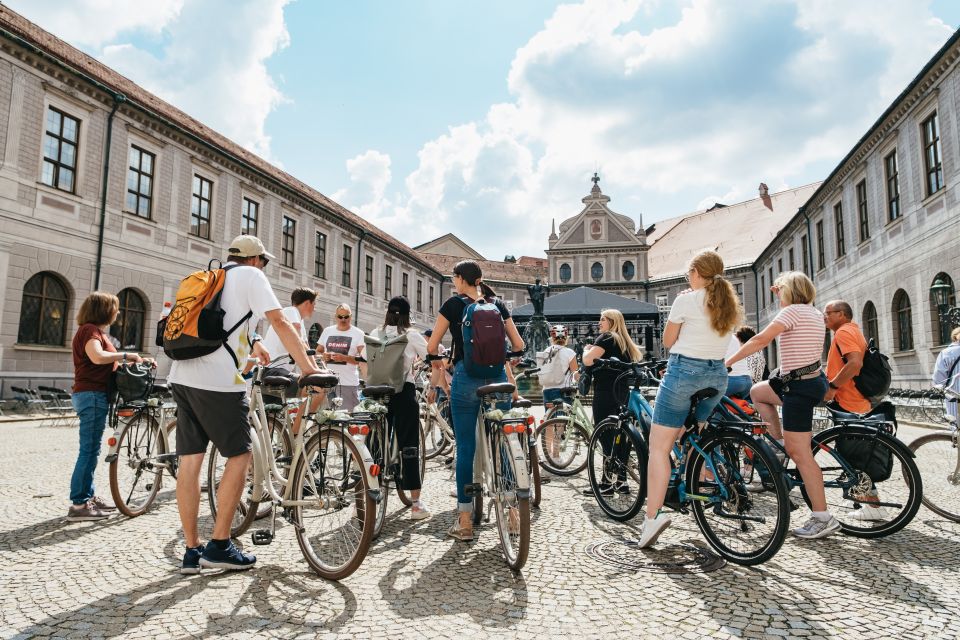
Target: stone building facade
(175, 192)
(883, 230)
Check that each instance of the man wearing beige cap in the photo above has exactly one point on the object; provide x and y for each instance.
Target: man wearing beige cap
(212, 403)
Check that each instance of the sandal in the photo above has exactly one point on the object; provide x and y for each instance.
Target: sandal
(463, 535)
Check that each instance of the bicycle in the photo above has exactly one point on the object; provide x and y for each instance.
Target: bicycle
(434, 417)
(849, 486)
(938, 460)
(708, 476)
(330, 494)
(385, 451)
(139, 450)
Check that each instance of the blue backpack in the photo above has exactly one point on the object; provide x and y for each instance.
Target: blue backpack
(484, 338)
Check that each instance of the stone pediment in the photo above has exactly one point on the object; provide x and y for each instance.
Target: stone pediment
(597, 224)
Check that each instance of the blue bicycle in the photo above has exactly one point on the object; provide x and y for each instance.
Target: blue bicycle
(712, 467)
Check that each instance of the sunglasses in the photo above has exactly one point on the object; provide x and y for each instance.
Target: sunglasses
(343, 317)
(266, 260)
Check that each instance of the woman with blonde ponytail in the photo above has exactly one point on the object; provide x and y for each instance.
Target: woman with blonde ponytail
(697, 333)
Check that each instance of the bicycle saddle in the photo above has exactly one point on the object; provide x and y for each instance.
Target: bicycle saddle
(497, 387)
(378, 391)
(703, 394)
(160, 388)
(568, 390)
(522, 403)
(276, 381)
(325, 380)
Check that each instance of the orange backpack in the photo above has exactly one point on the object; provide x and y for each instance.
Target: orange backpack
(194, 327)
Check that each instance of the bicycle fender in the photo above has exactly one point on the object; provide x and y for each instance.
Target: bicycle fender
(373, 484)
(115, 447)
(520, 460)
(864, 430)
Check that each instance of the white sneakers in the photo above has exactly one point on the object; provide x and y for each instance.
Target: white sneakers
(652, 528)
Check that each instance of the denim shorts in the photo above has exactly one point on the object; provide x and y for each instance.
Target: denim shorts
(685, 376)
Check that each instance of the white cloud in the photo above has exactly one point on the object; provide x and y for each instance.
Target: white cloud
(206, 57)
(729, 95)
(369, 178)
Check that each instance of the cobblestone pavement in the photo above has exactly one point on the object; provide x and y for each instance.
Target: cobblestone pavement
(119, 576)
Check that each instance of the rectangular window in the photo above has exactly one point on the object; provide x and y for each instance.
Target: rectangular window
(804, 251)
(200, 207)
(347, 256)
(821, 254)
(320, 256)
(763, 286)
(60, 151)
(931, 154)
(770, 293)
(405, 290)
(431, 301)
(288, 249)
(790, 261)
(862, 215)
(388, 283)
(369, 282)
(248, 217)
(739, 289)
(779, 266)
(893, 186)
(838, 222)
(140, 182)
(419, 296)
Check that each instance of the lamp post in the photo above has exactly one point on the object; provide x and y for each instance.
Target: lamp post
(941, 292)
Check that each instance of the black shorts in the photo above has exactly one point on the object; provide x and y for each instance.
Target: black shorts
(799, 401)
(220, 417)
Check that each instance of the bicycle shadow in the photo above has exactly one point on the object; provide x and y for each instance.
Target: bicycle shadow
(450, 585)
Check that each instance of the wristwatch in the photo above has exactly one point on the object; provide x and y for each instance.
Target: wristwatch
(833, 386)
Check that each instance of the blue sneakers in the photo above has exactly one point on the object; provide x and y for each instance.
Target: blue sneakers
(191, 561)
(230, 558)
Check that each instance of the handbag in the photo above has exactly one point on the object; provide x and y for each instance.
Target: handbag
(132, 382)
(585, 382)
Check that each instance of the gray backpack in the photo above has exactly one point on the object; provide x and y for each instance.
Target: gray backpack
(385, 362)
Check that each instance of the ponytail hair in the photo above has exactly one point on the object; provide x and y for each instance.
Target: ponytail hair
(473, 276)
(723, 305)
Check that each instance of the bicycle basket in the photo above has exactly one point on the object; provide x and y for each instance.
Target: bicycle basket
(133, 382)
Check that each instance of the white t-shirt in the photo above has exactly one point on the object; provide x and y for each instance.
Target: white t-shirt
(271, 342)
(553, 374)
(416, 346)
(742, 367)
(697, 338)
(349, 343)
(245, 289)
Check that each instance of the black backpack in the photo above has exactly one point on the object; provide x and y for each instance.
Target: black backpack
(873, 381)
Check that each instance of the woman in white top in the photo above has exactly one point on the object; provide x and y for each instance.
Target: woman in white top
(404, 410)
(698, 333)
(798, 329)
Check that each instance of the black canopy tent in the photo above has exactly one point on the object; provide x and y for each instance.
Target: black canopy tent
(579, 309)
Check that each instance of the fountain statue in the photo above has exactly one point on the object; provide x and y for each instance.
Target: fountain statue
(536, 335)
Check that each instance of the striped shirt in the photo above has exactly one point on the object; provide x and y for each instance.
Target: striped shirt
(802, 341)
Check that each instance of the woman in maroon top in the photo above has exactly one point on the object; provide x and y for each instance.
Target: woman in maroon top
(94, 359)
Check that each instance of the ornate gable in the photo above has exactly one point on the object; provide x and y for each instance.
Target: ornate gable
(596, 224)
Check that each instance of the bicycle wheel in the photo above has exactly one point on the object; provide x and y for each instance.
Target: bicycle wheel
(563, 446)
(246, 511)
(403, 494)
(334, 513)
(746, 528)
(376, 443)
(512, 510)
(617, 465)
(433, 432)
(848, 498)
(938, 460)
(135, 474)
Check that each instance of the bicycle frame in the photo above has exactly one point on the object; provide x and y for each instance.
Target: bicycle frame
(157, 409)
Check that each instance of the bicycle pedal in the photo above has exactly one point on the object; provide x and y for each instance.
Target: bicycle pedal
(262, 537)
(473, 489)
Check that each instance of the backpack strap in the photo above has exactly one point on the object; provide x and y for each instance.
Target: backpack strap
(953, 368)
(229, 332)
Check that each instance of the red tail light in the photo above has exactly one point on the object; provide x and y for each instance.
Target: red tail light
(508, 428)
(126, 413)
(375, 470)
(531, 420)
(111, 441)
(520, 428)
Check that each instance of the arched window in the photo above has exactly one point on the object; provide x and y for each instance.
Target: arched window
(596, 272)
(565, 273)
(43, 313)
(902, 323)
(871, 328)
(943, 297)
(628, 270)
(128, 328)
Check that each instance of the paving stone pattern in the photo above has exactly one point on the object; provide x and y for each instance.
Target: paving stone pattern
(119, 577)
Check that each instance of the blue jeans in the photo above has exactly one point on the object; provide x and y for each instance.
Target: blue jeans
(552, 395)
(739, 386)
(464, 407)
(91, 407)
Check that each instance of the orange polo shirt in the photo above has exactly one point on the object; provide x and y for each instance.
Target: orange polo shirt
(850, 339)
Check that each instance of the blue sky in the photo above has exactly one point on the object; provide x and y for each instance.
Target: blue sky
(487, 119)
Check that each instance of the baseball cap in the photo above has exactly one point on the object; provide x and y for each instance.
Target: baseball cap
(244, 246)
